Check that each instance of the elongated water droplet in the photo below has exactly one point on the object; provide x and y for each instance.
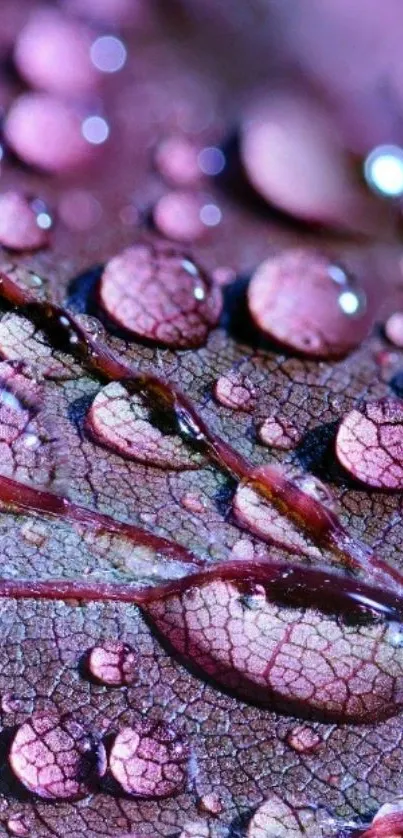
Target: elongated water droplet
(123, 423)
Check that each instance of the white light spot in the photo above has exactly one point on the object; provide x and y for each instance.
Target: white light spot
(383, 170)
(31, 441)
(95, 130)
(210, 215)
(190, 267)
(211, 160)
(337, 274)
(44, 220)
(108, 54)
(199, 293)
(9, 400)
(349, 302)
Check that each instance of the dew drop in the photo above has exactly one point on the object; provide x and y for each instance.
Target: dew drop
(52, 53)
(53, 757)
(193, 502)
(123, 424)
(176, 159)
(19, 824)
(20, 227)
(210, 804)
(369, 443)
(35, 116)
(113, 663)
(235, 390)
(303, 739)
(157, 293)
(295, 300)
(178, 216)
(394, 329)
(149, 760)
(279, 432)
(277, 819)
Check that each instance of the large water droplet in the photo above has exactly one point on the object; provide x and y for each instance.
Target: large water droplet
(113, 663)
(157, 293)
(124, 424)
(369, 443)
(53, 757)
(298, 299)
(149, 760)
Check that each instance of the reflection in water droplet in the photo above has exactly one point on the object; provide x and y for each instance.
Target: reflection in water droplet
(383, 170)
(351, 302)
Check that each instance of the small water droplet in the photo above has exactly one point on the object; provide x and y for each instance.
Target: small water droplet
(193, 502)
(210, 804)
(177, 161)
(149, 760)
(303, 739)
(235, 390)
(394, 329)
(21, 227)
(19, 824)
(113, 663)
(279, 432)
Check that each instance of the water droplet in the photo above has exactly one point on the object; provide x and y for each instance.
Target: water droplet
(210, 804)
(53, 757)
(123, 424)
(303, 739)
(369, 443)
(294, 299)
(211, 161)
(149, 760)
(235, 390)
(113, 663)
(95, 129)
(34, 116)
(19, 824)
(20, 226)
(52, 54)
(108, 54)
(277, 819)
(193, 502)
(394, 329)
(157, 293)
(263, 519)
(177, 161)
(383, 170)
(279, 432)
(177, 215)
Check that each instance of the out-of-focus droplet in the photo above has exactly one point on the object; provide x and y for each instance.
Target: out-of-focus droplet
(79, 210)
(299, 300)
(156, 292)
(394, 329)
(177, 216)
(177, 161)
(303, 739)
(369, 443)
(279, 432)
(223, 275)
(113, 663)
(235, 390)
(52, 53)
(149, 759)
(20, 227)
(95, 129)
(383, 170)
(108, 54)
(293, 158)
(46, 133)
(210, 215)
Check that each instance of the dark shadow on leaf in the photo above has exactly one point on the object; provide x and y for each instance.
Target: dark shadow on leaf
(316, 454)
